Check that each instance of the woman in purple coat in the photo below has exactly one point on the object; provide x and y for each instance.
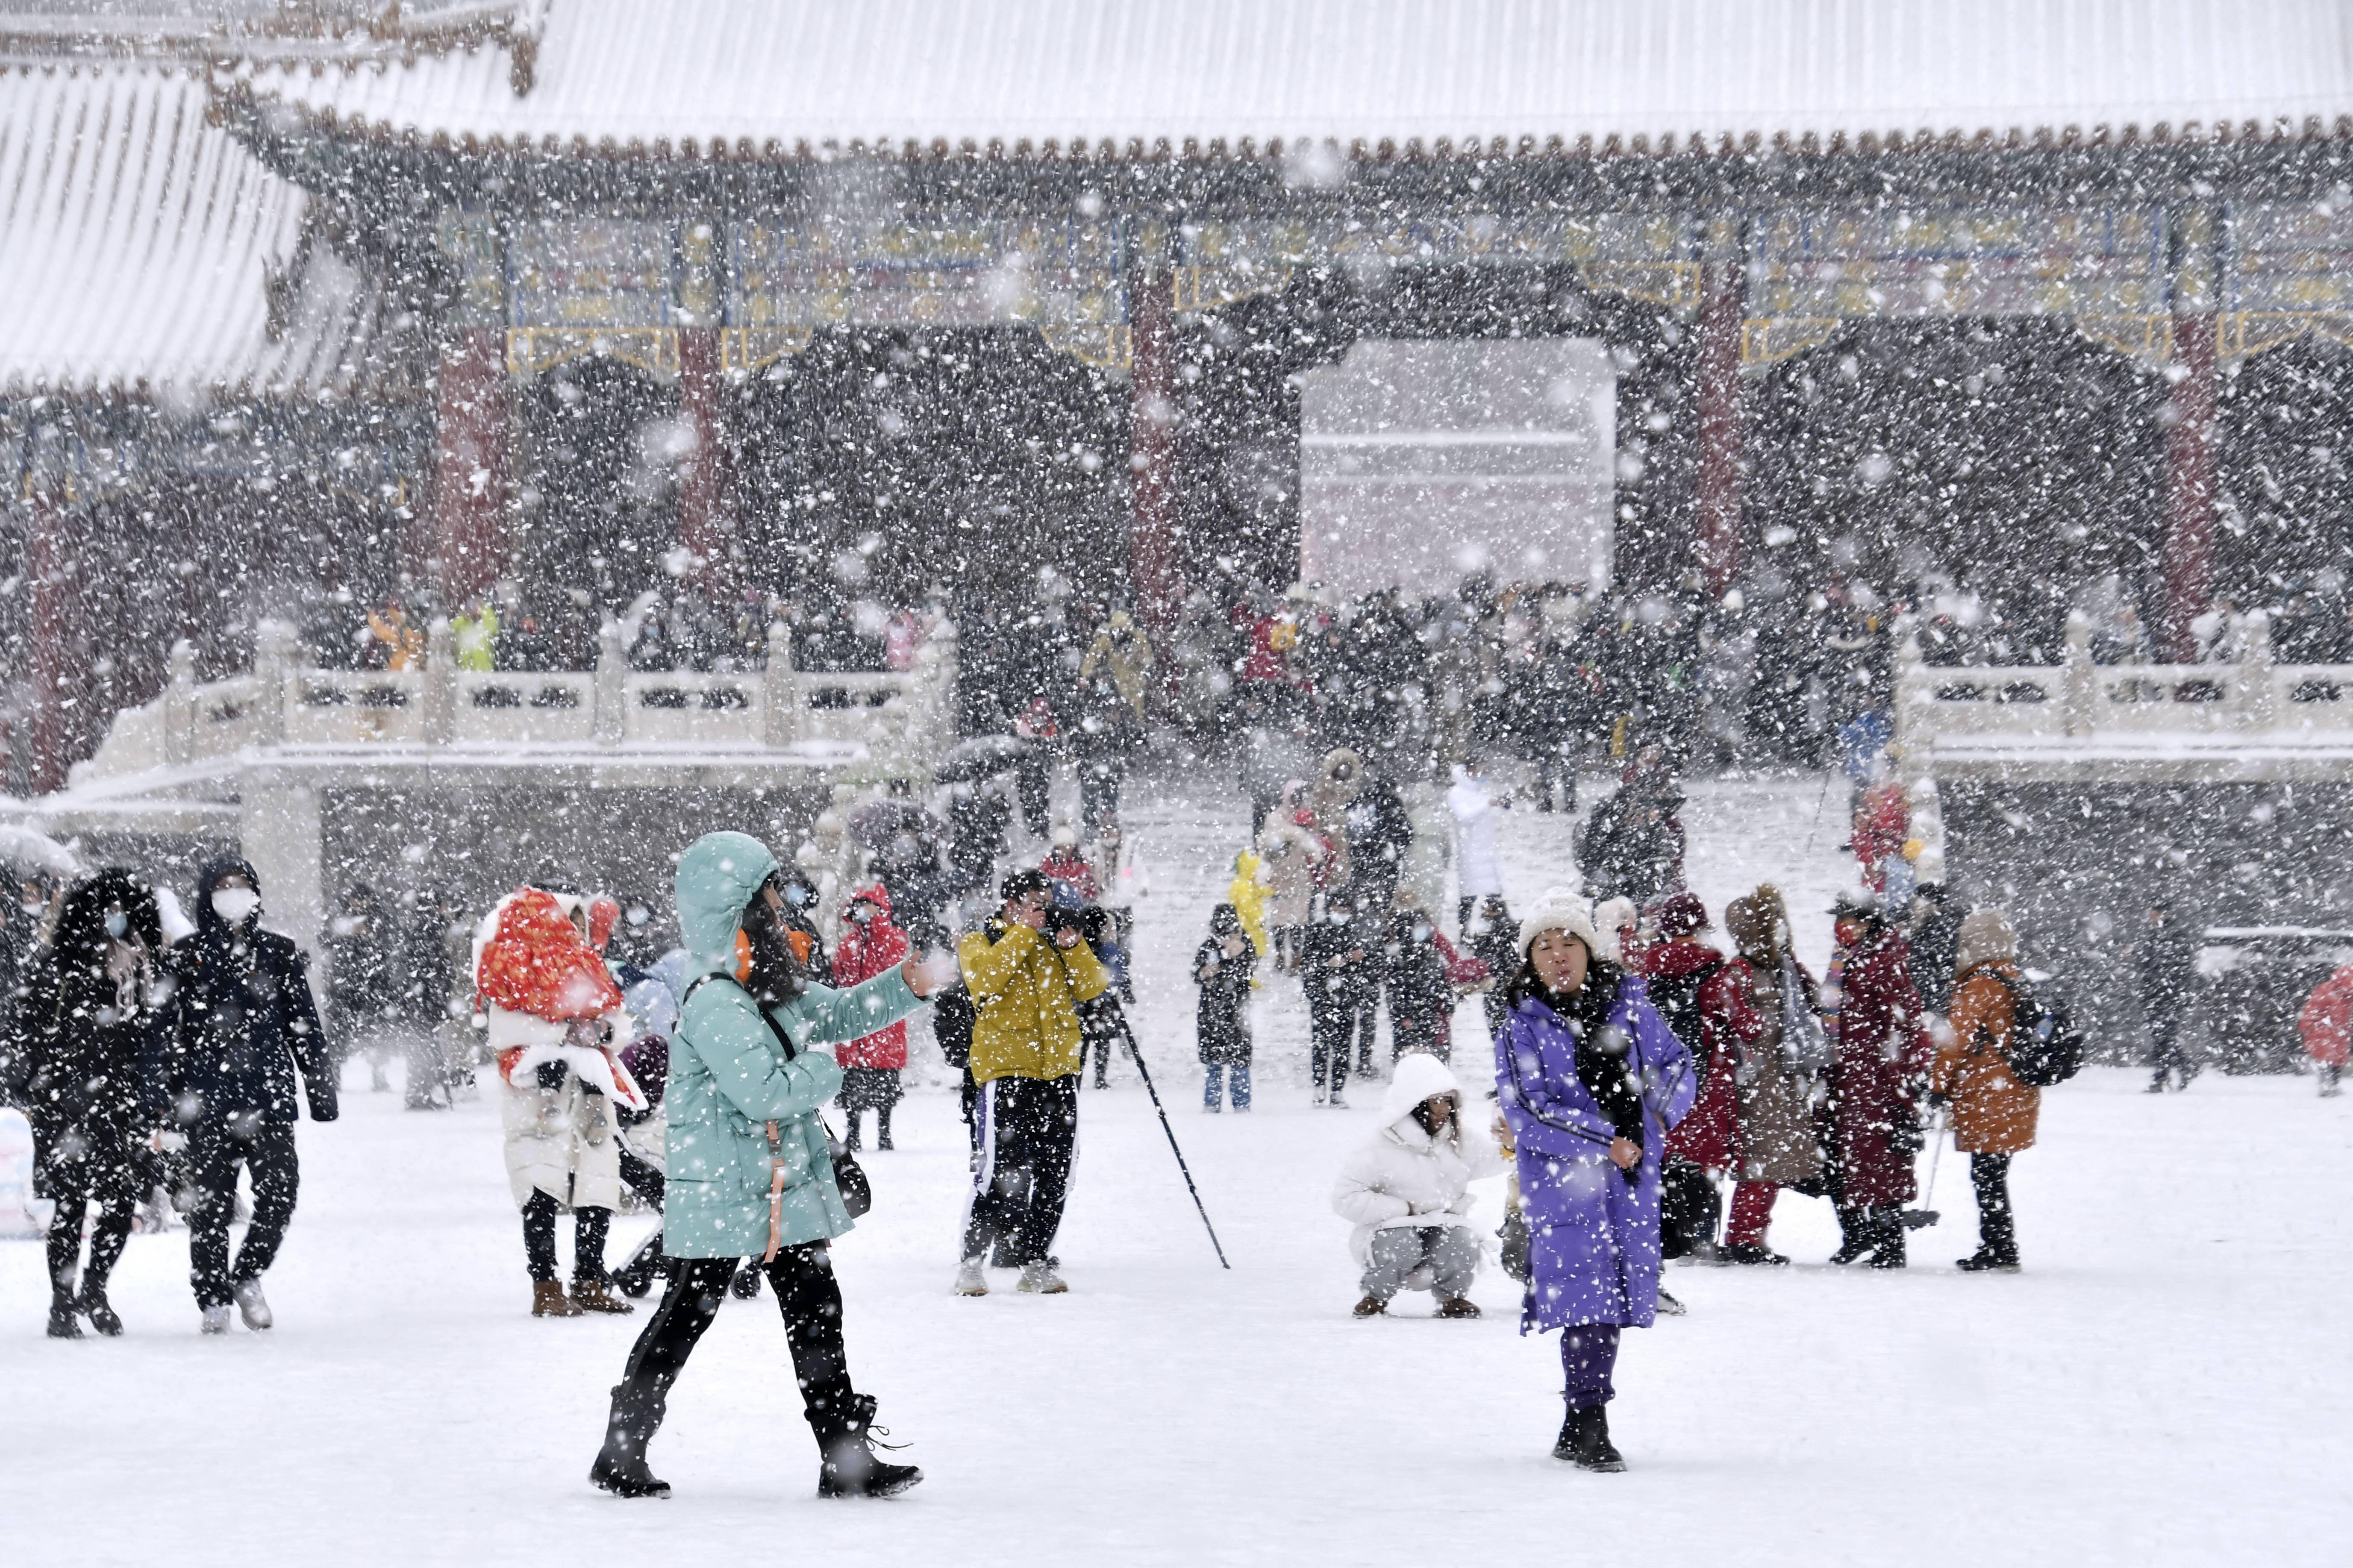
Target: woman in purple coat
(1590, 1081)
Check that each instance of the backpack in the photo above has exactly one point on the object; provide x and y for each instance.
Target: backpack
(2045, 1046)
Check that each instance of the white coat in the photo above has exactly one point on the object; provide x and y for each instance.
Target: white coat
(1401, 1178)
(563, 1141)
(1475, 867)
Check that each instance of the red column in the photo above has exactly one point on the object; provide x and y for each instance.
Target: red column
(1723, 307)
(1152, 449)
(702, 477)
(48, 565)
(468, 535)
(2189, 439)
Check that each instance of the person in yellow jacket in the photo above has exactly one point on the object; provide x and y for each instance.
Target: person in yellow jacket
(1247, 893)
(1026, 1056)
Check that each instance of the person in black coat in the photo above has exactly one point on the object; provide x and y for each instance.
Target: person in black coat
(1340, 971)
(1379, 832)
(1221, 968)
(1421, 994)
(86, 1065)
(2166, 957)
(243, 1024)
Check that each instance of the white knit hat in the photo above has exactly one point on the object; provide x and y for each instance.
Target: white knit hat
(1561, 909)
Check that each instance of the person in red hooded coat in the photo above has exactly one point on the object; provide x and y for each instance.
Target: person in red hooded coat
(1879, 1065)
(871, 1064)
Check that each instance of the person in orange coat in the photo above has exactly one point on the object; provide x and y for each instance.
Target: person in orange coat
(1994, 1115)
(871, 1064)
(2326, 1025)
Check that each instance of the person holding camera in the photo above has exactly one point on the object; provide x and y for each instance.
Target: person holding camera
(752, 1172)
(1027, 971)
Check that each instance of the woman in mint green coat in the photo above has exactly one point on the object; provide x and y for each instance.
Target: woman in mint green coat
(750, 1168)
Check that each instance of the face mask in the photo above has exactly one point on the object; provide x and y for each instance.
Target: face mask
(863, 914)
(1337, 917)
(796, 895)
(35, 906)
(234, 904)
(117, 924)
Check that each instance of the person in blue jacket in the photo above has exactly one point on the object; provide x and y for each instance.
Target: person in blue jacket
(751, 1170)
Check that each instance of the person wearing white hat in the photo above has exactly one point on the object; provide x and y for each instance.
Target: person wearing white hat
(1590, 1080)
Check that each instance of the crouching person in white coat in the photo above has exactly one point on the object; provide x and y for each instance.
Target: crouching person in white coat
(1407, 1191)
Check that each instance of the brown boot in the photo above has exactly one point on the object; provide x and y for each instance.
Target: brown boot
(1457, 1307)
(547, 1301)
(597, 1296)
(1370, 1307)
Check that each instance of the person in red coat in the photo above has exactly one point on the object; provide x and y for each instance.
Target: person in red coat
(1879, 1064)
(1678, 966)
(871, 1064)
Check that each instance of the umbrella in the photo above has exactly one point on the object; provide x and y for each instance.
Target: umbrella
(982, 757)
(23, 847)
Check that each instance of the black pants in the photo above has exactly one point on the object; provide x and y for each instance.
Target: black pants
(105, 1174)
(1099, 781)
(217, 1146)
(2165, 1053)
(1997, 1225)
(1029, 1136)
(588, 1228)
(1556, 766)
(809, 1297)
(1331, 1033)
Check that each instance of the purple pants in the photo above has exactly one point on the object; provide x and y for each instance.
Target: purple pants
(1588, 1352)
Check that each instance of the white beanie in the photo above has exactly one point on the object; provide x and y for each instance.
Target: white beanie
(1559, 908)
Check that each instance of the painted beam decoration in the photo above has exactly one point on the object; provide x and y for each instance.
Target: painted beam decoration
(568, 286)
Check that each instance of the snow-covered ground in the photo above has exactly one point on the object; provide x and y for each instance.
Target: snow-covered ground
(2168, 1383)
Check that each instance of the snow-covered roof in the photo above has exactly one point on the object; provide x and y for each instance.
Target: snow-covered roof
(140, 247)
(1103, 73)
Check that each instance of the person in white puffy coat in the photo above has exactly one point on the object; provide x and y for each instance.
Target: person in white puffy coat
(1408, 1192)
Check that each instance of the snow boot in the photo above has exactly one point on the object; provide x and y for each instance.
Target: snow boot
(252, 1305)
(970, 1280)
(548, 1300)
(64, 1314)
(102, 1315)
(1457, 1307)
(1585, 1441)
(1750, 1252)
(1041, 1279)
(2331, 1082)
(1670, 1306)
(851, 1466)
(1887, 1234)
(1370, 1307)
(215, 1320)
(1982, 1262)
(1855, 1237)
(597, 1296)
(882, 1131)
(639, 1406)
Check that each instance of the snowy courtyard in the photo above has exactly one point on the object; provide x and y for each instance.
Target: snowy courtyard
(2160, 1385)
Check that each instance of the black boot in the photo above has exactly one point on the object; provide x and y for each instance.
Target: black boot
(620, 1467)
(1854, 1236)
(64, 1314)
(1585, 1441)
(849, 1466)
(882, 1130)
(102, 1315)
(849, 1139)
(1887, 1233)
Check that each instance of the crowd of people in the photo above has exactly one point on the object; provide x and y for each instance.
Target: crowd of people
(1654, 1094)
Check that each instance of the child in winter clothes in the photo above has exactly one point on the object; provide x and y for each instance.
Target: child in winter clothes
(1221, 968)
(1248, 895)
(870, 1065)
(552, 1008)
(1337, 971)
(1422, 970)
(1408, 1192)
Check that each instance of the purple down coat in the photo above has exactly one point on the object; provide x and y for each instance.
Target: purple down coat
(1593, 1237)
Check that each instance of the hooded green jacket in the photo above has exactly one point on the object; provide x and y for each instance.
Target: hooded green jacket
(729, 1077)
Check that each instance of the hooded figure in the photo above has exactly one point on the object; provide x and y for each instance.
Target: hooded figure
(86, 1064)
(1222, 968)
(871, 1063)
(1878, 1066)
(1407, 1189)
(243, 1022)
(751, 1168)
